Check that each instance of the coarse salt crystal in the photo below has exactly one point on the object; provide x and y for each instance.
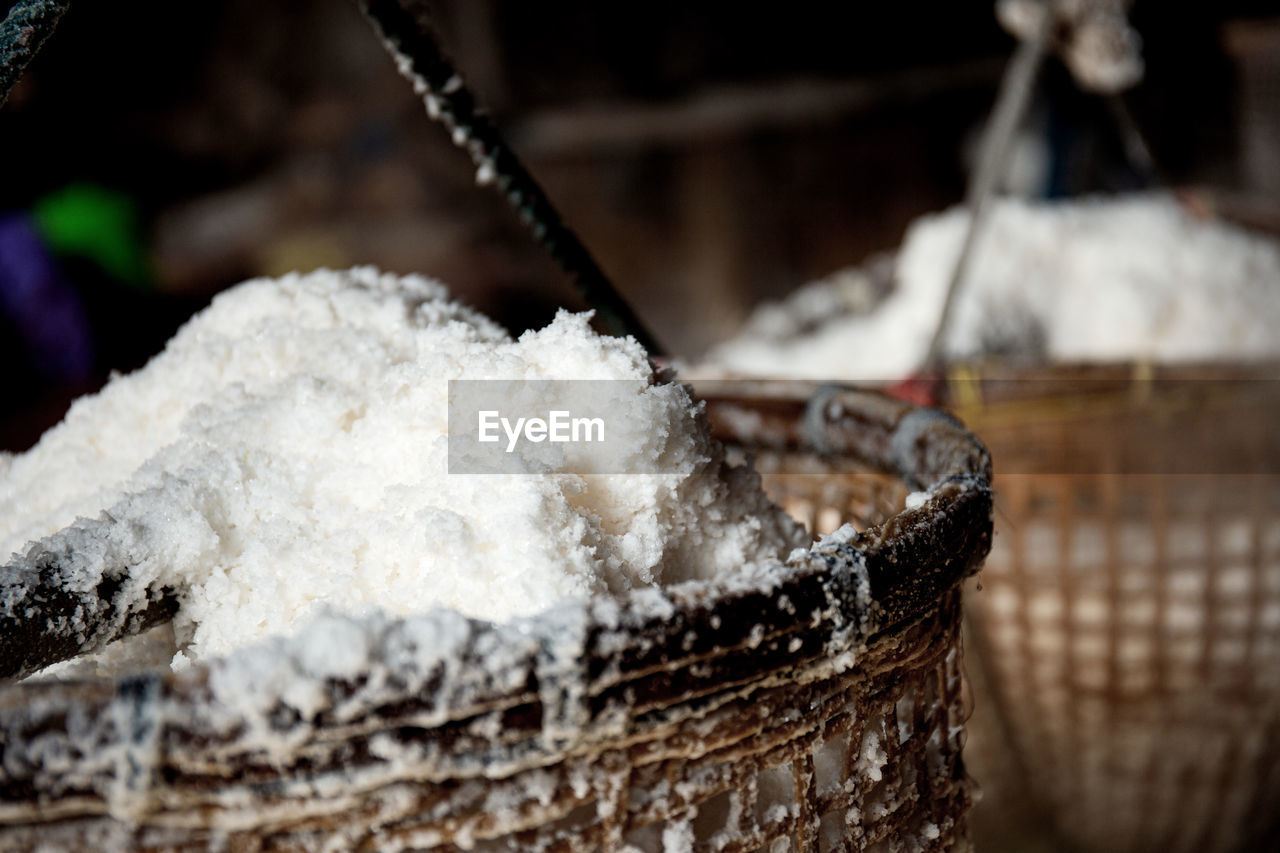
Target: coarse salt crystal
(286, 455)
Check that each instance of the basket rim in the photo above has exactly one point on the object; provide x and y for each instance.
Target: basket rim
(583, 672)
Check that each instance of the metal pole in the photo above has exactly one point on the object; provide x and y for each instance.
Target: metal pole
(410, 40)
(22, 33)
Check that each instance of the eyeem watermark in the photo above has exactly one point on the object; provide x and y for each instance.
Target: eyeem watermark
(1080, 425)
(559, 426)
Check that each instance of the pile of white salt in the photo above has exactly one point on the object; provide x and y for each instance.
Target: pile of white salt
(1096, 280)
(286, 455)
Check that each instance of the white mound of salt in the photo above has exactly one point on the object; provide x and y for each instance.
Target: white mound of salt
(286, 454)
(1096, 280)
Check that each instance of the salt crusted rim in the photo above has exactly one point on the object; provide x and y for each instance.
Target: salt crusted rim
(576, 677)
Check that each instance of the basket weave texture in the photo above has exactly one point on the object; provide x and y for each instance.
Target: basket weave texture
(814, 708)
(1127, 629)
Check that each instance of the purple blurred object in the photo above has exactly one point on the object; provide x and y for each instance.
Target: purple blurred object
(45, 309)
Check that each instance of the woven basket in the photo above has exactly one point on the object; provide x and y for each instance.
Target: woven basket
(816, 708)
(1126, 634)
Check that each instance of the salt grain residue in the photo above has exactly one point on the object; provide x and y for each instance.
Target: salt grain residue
(286, 453)
(1130, 277)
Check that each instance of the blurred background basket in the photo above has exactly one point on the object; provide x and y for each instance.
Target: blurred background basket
(819, 708)
(1125, 641)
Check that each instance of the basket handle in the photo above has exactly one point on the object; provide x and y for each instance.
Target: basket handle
(50, 610)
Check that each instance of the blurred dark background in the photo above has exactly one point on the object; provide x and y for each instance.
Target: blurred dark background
(711, 155)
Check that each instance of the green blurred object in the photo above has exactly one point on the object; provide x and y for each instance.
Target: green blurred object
(98, 224)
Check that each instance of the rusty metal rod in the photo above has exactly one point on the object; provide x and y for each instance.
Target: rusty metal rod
(22, 33)
(410, 40)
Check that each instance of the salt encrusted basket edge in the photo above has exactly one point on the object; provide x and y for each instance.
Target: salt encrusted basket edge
(667, 717)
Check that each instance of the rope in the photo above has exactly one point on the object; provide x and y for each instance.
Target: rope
(1011, 103)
